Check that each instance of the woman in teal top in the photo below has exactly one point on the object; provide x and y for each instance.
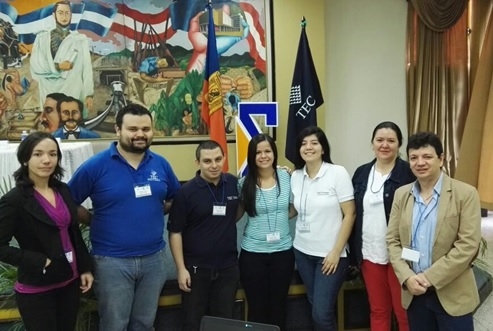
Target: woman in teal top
(266, 258)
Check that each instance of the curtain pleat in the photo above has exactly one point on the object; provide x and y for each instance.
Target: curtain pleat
(475, 164)
(437, 82)
(439, 15)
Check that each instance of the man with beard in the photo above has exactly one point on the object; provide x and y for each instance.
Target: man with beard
(61, 61)
(129, 186)
(70, 112)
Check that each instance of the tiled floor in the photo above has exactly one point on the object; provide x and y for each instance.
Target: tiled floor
(483, 319)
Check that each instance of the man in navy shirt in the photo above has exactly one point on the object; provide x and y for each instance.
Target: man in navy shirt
(202, 235)
(128, 185)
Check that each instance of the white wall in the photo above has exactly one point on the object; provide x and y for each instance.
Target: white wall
(365, 74)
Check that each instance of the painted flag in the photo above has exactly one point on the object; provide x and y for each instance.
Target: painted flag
(305, 96)
(90, 16)
(133, 24)
(212, 100)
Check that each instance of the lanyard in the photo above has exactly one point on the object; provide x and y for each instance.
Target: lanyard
(428, 209)
(266, 208)
(303, 210)
(214, 197)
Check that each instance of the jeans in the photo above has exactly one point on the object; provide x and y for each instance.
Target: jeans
(54, 310)
(425, 313)
(321, 290)
(266, 278)
(213, 293)
(384, 295)
(128, 291)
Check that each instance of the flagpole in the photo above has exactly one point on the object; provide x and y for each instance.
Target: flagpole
(212, 111)
(305, 95)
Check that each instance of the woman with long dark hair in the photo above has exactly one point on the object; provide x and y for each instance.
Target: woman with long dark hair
(266, 258)
(54, 266)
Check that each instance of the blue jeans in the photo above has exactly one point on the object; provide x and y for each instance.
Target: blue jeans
(128, 291)
(425, 313)
(321, 290)
(213, 293)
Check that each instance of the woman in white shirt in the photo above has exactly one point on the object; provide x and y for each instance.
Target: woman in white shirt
(374, 187)
(322, 194)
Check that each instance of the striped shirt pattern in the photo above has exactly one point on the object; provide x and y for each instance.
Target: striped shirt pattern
(272, 216)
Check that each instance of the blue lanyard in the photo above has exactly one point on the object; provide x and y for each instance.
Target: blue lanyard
(212, 193)
(428, 209)
(267, 209)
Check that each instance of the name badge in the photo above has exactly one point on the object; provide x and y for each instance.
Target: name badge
(409, 254)
(142, 190)
(69, 256)
(303, 226)
(219, 209)
(273, 237)
(375, 198)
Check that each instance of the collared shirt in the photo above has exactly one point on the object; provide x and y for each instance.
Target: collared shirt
(124, 224)
(424, 224)
(209, 241)
(318, 202)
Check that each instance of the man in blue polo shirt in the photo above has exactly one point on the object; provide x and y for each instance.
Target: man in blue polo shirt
(202, 236)
(129, 187)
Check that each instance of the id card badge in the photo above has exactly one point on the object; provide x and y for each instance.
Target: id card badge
(142, 190)
(69, 256)
(303, 226)
(375, 198)
(219, 209)
(273, 237)
(409, 254)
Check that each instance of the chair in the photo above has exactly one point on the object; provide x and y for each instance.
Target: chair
(210, 323)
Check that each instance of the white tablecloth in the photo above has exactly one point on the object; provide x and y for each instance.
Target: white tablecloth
(73, 155)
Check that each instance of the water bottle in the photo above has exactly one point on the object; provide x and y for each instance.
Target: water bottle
(23, 135)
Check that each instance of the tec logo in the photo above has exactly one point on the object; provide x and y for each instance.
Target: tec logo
(247, 126)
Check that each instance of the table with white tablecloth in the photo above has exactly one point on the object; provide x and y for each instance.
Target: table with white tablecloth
(73, 155)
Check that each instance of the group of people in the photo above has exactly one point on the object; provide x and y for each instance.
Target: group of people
(412, 231)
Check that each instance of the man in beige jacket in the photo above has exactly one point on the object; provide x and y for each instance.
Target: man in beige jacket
(433, 238)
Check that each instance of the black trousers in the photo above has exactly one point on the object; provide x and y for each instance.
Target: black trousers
(213, 293)
(266, 278)
(55, 310)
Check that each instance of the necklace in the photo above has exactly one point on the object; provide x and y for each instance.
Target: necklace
(373, 179)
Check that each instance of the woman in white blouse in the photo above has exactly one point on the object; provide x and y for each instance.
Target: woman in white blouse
(374, 186)
(322, 194)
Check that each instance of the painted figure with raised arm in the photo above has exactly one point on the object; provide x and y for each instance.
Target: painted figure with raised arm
(61, 61)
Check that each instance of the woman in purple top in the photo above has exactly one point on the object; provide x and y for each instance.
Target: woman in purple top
(54, 266)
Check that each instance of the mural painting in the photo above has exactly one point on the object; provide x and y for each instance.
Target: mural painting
(68, 67)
